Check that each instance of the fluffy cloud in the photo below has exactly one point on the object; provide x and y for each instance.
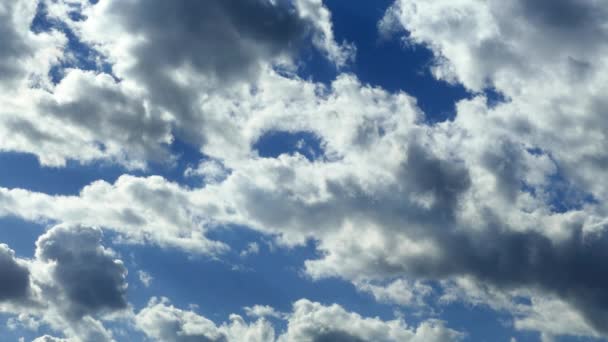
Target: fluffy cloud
(546, 57)
(161, 71)
(86, 278)
(72, 281)
(87, 117)
(309, 321)
(315, 323)
(15, 276)
(25, 56)
(141, 211)
(162, 321)
(505, 195)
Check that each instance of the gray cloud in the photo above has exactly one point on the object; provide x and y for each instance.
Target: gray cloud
(224, 39)
(87, 277)
(211, 44)
(12, 45)
(15, 284)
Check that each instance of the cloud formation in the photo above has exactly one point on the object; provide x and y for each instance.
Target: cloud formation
(505, 195)
(309, 322)
(71, 283)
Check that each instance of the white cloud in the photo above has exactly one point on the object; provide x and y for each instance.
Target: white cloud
(145, 278)
(400, 291)
(473, 198)
(260, 311)
(252, 249)
(161, 321)
(309, 321)
(143, 210)
(312, 321)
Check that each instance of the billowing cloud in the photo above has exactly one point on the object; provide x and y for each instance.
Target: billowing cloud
(314, 322)
(309, 322)
(506, 195)
(87, 278)
(161, 67)
(161, 321)
(141, 211)
(24, 55)
(71, 283)
(15, 276)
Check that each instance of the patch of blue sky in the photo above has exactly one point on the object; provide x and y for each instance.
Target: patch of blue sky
(79, 55)
(14, 332)
(561, 194)
(386, 63)
(20, 235)
(274, 143)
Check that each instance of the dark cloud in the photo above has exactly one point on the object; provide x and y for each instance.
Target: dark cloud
(217, 41)
(573, 269)
(114, 117)
(225, 38)
(87, 277)
(566, 14)
(14, 277)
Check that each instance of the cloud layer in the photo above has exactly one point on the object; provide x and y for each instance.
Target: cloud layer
(503, 201)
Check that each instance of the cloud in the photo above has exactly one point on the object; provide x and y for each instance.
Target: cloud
(400, 291)
(545, 57)
(118, 125)
(393, 197)
(314, 322)
(87, 279)
(25, 55)
(47, 338)
(161, 321)
(252, 249)
(70, 284)
(309, 321)
(15, 276)
(168, 55)
(260, 311)
(145, 278)
(141, 211)
(153, 73)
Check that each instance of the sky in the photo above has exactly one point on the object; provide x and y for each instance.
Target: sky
(303, 170)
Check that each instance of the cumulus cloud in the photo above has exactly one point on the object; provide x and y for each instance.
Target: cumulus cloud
(15, 276)
(400, 291)
(145, 278)
(546, 58)
(314, 322)
(262, 311)
(161, 321)
(142, 211)
(479, 197)
(87, 278)
(70, 283)
(160, 71)
(25, 56)
(309, 321)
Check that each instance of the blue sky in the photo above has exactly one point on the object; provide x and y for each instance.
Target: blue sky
(395, 170)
